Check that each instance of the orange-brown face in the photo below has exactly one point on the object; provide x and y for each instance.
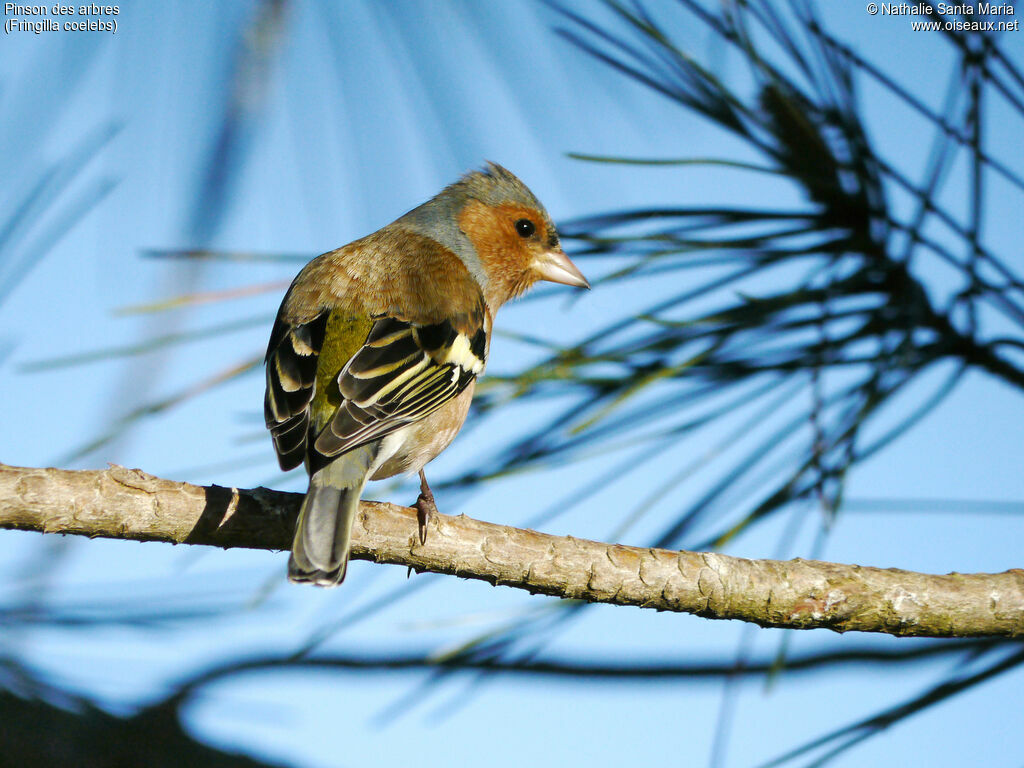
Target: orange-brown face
(516, 249)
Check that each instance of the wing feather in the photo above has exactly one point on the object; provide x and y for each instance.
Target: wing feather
(403, 373)
(292, 357)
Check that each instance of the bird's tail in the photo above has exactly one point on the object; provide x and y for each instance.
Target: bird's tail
(323, 534)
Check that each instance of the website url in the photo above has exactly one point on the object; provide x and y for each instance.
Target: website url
(966, 26)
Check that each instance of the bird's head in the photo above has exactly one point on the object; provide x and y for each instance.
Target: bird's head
(504, 235)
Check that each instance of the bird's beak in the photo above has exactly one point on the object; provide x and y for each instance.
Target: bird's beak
(555, 267)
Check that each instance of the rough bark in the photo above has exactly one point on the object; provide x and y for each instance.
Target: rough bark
(799, 594)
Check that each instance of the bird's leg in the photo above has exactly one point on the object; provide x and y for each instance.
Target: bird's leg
(425, 507)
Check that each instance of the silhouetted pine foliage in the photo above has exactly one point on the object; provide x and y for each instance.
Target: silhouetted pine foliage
(845, 315)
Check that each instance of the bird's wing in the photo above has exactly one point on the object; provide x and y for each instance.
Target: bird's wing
(403, 372)
(400, 373)
(292, 358)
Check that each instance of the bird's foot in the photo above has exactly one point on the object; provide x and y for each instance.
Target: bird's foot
(425, 507)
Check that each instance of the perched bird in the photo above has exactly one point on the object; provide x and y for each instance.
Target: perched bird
(374, 354)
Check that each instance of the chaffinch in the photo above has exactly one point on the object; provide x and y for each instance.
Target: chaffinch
(374, 354)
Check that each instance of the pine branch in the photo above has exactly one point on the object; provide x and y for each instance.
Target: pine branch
(798, 594)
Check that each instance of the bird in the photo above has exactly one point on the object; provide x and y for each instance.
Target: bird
(377, 345)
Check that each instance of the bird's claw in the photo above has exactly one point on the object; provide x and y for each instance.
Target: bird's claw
(425, 507)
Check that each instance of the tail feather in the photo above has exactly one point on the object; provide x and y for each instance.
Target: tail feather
(323, 534)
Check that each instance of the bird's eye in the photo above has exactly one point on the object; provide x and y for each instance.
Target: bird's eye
(525, 227)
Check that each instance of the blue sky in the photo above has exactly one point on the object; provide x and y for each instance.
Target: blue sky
(358, 112)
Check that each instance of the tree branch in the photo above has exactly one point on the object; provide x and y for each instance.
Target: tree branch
(798, 594)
